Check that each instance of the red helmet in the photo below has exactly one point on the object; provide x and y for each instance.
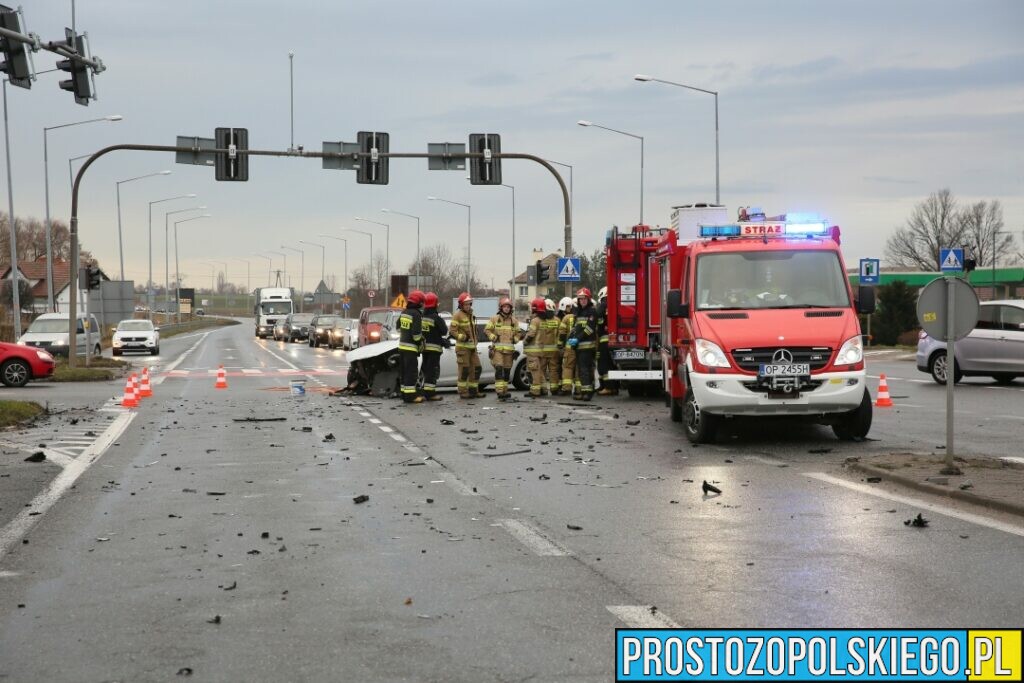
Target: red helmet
(416, 297)
(430, 301)
(465, 298)
(538, 305)
(505, 301)
(583, 292)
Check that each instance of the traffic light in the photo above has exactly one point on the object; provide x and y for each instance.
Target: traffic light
(231, 165)
(542, 271)
(486, 170)
(80, 82)
(15, 55)
(92, 274)
(372, 169)
(970, 264)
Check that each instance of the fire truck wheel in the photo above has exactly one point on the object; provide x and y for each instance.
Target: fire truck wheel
(855, 424)
(676, 409)
(700, 426)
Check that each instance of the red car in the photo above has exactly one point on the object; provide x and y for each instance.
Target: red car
(370, 322)
(19, 364)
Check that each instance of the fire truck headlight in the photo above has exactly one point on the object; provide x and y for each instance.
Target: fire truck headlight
(851, 352)
(710, 354)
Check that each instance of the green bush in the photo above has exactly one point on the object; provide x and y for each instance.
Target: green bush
(896, 314)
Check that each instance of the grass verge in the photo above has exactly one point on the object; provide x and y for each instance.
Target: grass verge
(99, 370)
(16, 412)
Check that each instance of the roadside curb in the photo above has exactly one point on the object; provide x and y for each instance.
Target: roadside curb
(965, 496)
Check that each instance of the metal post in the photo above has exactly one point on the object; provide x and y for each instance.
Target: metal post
(641, 180)
(167, 271)
(177, 277)
(950, 372)
(291, 98)
(51, 305)
(15, 294)
(120, 242)
(469, 247)
(718, 187)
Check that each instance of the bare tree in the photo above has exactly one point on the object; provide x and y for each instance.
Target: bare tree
(983, 233)
(934, 224)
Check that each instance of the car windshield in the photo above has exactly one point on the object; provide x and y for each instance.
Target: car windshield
(377, 317)
(49, 326)
(302, 319)
(276, 307)
(135, 326)
(770, 279)
(326, 321)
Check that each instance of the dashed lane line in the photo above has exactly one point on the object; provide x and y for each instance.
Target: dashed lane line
(532, 538)
(170, 367)
(641, 616)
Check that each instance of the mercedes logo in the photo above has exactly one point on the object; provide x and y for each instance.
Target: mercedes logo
(782, 356)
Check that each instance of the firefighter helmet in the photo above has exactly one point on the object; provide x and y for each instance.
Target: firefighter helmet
(416, 297)
(537, 305)
(430, 300)
(565, 305)
(583, 292)
(602, 293)
(549, 305)
(505, 301)
(465, 298)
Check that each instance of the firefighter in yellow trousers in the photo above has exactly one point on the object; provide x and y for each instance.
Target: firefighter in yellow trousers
(568, 370)
(552, 358)
(463, 329)
(533, 345)
(503, 331)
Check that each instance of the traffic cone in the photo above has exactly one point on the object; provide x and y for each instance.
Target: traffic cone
(222, 379)
(145, 391)
(129, 400)
(883, 400)
(136, 390)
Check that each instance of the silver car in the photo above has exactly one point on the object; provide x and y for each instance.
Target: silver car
(994, 348)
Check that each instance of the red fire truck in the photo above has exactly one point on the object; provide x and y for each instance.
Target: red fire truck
(759, 319)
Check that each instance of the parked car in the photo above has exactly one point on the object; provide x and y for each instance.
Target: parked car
(323, 331)
(135, 335)
(20, 363)
(994, 348)
(296, 327)
(370, 321)
(200, 312)
(50, 332)
(349, 333)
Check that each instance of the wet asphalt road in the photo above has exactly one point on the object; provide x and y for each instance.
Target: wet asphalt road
(468, 561)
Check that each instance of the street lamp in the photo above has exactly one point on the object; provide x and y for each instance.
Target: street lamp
(387, 255)
(469, 234)
(409, 215)
(248, 278)
(323, 257)
(177, 274)
(120, 242)
(370, 235)
(149, 285)
(270, 265)
(341, 239)
(46, 190)
(512, 283)
(213, 285)
(302, 274)
(71, 170)
(167, 252)
(644, 79)
(589, 124)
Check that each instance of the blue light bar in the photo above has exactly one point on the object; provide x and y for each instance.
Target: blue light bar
(719, 231)
(806, 228)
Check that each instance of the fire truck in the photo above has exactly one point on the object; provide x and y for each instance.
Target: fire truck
(759, 319)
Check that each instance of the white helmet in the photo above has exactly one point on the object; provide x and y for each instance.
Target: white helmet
(549, 305)
(566, 304)
(602, 293)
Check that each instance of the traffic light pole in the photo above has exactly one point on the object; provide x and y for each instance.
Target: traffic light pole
(292, 153)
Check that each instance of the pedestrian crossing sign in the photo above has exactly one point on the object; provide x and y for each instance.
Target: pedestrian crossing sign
(951, 260)
(568, 270)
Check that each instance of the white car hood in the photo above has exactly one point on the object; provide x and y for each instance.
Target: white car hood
(372, 350)
(148, 334)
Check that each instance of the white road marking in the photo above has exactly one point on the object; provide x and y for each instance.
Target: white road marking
(1013, 458)
(460, 487)
(252, 371)
(641, 616)
(1010, 417)
(14, 530)
(764, 460)
(918, 503)
(171, 367)
(385, 428)
(283, 360)
(397, 437)
(532, 538)
(374, 421)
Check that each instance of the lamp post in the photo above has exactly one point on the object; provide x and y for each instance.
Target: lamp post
(270, 265)
(387, 255)
(572, 208)
(302, 274)
(149, 285)
(50, 304)
(341, 239)
(213, 284)
(409, 215)
(370, 235)
(120, 241)
(590, 124)
(323, 258)
(167, 253)
(71, 169)
(995, 238)
(512, 282)
(644, 78)
(469, 235)
(177, 273)
(248, 279)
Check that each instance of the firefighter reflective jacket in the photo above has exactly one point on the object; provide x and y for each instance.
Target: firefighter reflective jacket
(585, 327)
(434, 330)
(410, 330)
(463, 328)
(503, 331)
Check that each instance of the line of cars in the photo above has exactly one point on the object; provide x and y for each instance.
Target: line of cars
(324, 329)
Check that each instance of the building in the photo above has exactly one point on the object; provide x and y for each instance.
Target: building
(35, 273)
(1002, 283)
(525, 286)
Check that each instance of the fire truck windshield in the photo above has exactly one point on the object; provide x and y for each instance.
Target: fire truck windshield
(770, 279)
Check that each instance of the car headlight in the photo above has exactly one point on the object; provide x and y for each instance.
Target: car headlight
(21, 343)
(116, 342)
(710, 354)
(851, 352)
(319, 330)
(375, 334)
(43, 355)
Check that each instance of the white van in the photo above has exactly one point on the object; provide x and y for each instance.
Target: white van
(50, 331)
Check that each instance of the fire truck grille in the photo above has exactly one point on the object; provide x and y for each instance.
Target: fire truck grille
(751, 359)
(823, 314)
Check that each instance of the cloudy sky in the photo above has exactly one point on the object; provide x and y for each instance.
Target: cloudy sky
(856, 110)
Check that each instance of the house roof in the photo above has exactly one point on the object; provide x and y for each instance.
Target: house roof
(550, 260)
(35, 271)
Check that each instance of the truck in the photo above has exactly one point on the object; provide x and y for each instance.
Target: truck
(758, 319)
(272, 304)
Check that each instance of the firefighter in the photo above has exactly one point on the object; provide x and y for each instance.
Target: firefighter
(604, 354)
(583, 339)
(568, 369)
(533, 345)
(503, 331)
(435, 340)
(552, 360)
(463, 329)
(410, 341)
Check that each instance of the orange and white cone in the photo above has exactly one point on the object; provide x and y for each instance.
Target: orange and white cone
(129, 400)
(145, 391)
(135, 389)
(222, 379)
(883, 400)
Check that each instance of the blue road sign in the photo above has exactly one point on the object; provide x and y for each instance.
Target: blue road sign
(568, 270)
(951, 260)
(346, 305)
(869, 271)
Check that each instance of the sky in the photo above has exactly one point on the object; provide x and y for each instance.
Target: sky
(855, 110)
